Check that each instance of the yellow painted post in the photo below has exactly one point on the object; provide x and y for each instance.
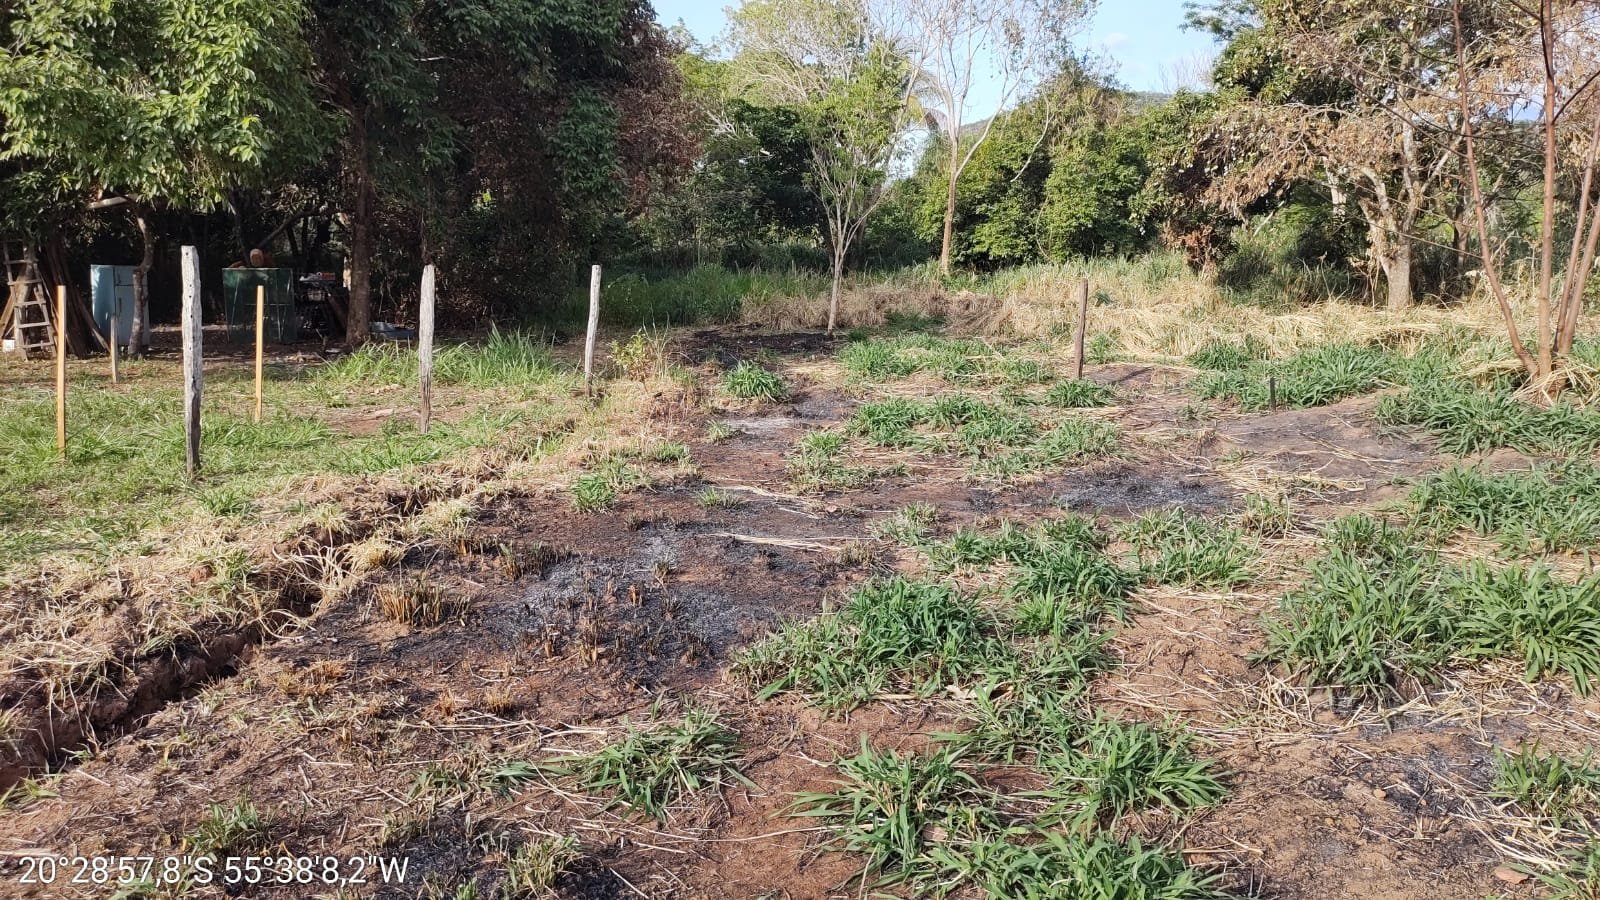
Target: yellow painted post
(61, 369)
(261, 340)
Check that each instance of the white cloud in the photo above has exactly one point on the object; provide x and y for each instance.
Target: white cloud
(1114, 40)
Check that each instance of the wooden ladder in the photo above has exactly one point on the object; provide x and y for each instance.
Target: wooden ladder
(34, 322)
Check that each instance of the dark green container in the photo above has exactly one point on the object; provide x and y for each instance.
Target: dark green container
(239, 305)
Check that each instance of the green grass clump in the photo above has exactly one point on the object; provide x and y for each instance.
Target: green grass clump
(974, 426)
(993, 428)
(655, 765)
(1076, 394)
(1059, 866)
(1010, 542)
(1527, 613)
(1362, 536)
(1031, 704)
(817, 464)
(1314, 377)
(1468, 419)
(1072, 440)
(231, 829)
(748, 381)
(954, 360)
(900, 635)
(1267, 516)
(533, 869)
(1024, 371)
(1117, 768)
(713, 498)
(598, 490)
(895, 808)
(1548, 785)
(910, 527)
(1173, 548)
(1364, 625)
(890, 423)
(1549, 509)
(1066, 589)
(1367, 624)
(1226, 356)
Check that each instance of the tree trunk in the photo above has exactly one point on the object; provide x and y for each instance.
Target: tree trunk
(139, 340)
(950, 207)
(358, 326)
(1396, 263)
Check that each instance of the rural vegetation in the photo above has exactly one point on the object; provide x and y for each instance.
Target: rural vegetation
(868, 563)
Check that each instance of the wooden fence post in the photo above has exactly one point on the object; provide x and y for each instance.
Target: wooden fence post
(1083, 328)
(61, 369)
(425, 347)
(116, 326)
(261, 341)
(193, 351)
(594, 327)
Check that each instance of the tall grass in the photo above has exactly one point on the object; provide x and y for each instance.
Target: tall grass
(706, 294)
(504, 359)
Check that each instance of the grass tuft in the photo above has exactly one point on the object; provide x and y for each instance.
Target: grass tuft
(1548, 785)
(1468, 419)
(1118, 768)
(534, 868)
(233, 829)
(1062, 866)
(893, 808)
(1075, 394)
(655, 765)
(748, 381)
(1173, 548)
(903, 635)
(1547, 509)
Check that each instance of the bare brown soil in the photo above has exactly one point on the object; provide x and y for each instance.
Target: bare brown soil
(326, 720)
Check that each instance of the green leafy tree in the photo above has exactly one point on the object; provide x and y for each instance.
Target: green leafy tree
(1088, 199)
(957, 46)
(161, 102)
(513, 134)
(850, 89)
(748, 187)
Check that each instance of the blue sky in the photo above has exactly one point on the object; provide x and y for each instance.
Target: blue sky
(1144, 38)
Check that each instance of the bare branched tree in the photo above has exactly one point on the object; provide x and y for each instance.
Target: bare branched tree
(1000, 49)
(1543, 55)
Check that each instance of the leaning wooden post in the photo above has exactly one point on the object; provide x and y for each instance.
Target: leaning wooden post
(192, 352)
(61, 369)
(261, 341)
(1083, 328)
(425, 348)
(116, 326)
(594, 327)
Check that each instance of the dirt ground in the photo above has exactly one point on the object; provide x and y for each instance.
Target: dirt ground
(574, 621)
